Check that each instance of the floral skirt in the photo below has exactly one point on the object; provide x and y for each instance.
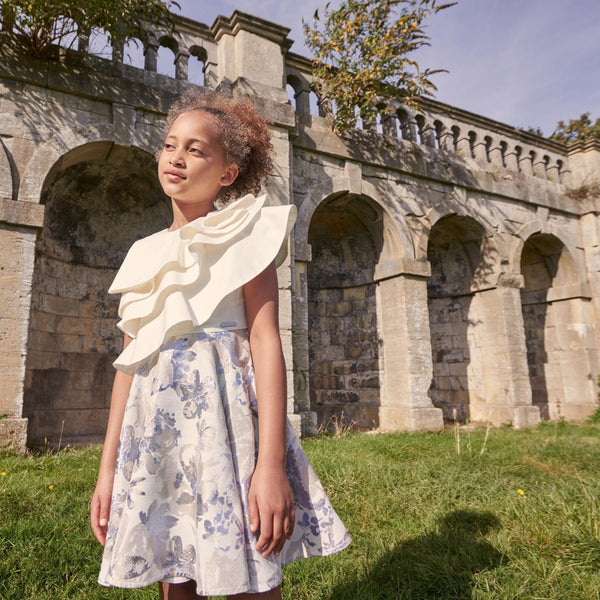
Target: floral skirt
(188, 447)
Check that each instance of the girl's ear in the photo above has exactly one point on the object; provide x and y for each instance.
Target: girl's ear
(230, 174)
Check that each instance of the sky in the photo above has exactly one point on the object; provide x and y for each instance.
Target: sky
(526, 63)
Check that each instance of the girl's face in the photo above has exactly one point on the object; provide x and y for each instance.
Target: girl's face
(191, 166)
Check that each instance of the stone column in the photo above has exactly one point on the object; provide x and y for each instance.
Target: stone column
(302, 256)
(406, 366)
(151, 57)
(499, 370)
(181, 66)
(303, 102)
(19, 223)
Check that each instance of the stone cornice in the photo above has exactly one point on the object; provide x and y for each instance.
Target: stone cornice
(243, 21)
(588, 146)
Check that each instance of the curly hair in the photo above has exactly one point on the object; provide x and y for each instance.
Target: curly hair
(243, 134)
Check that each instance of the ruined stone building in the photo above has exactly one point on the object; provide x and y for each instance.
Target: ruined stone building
(440, 269)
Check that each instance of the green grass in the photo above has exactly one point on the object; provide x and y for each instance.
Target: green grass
(427, 521)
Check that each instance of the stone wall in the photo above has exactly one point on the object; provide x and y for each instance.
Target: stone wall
(439, 269)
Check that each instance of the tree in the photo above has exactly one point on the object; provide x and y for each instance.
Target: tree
(41, 23)
(577, 130)
(363, 55)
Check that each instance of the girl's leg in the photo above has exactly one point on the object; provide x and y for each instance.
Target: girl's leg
(179, 591)
(274, 594)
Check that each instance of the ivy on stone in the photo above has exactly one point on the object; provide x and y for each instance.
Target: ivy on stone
(363, 56)
(40, 24)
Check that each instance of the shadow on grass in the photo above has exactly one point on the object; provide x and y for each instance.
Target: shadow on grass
(440, 564)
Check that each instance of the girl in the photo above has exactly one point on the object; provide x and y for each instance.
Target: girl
(187, 495)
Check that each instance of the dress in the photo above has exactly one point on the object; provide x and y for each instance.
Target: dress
(189, 438)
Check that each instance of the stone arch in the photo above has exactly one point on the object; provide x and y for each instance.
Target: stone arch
(399, 239)
(557, 317)
(348, 239)
(99, 199)
(462, 256)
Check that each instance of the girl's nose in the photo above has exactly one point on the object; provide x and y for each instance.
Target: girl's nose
(176, 158)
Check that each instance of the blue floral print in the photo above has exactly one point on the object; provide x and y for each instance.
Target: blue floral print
(186, 457)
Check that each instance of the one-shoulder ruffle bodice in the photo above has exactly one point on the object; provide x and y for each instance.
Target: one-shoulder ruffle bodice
(174, 282)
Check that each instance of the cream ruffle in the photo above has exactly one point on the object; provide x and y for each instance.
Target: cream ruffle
(174, 281)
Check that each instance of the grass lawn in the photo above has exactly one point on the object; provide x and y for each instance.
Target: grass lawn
(458, 514)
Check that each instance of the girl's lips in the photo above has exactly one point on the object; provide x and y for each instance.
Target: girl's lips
(174, 176)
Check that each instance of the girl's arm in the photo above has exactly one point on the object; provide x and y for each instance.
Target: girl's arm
(271, 503)
(100, 505)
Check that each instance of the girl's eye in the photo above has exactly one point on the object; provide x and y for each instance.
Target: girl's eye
(196, 151)
(168, 146)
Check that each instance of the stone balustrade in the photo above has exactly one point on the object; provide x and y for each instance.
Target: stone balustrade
(494, 146)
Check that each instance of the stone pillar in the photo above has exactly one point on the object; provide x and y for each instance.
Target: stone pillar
(406, 366)
(83, 41)
(117, 53)
(151, 57)
(302, 99)
(302, 256)
(19, 223)
(251, 55)
(526, 162)
(499, 373)
(572, 354)
(495, 152)
(181, 66)
(512, 159)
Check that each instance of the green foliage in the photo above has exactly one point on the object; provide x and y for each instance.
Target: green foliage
(577, 130)
(41, 23)
(363, 55)
(515, 514)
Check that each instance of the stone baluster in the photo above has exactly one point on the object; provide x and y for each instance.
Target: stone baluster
(495, 153)
(538, 165)
(118, 52)
(526, 163)
(407, 125)
(83, 41)
(181, 66)
(151, 56)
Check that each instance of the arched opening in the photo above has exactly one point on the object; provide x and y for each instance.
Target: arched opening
(99, 199)
(167, 51)
(197, 65)
(461, 259)
(346, 237)
(557, 323)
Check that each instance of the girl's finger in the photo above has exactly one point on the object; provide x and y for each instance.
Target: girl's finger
(264, 541)
(291, 522)
(253, 513)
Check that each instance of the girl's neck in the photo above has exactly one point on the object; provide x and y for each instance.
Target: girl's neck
(186, 213)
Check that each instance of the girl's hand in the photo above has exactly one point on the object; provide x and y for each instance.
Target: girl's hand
(100, 507)
(271, 506)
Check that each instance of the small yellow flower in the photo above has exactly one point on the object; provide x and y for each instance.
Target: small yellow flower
(3, 474)
(521, 492)
(543, 483)
(50, 487)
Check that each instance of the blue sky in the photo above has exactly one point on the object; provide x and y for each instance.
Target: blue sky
(521, 62)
